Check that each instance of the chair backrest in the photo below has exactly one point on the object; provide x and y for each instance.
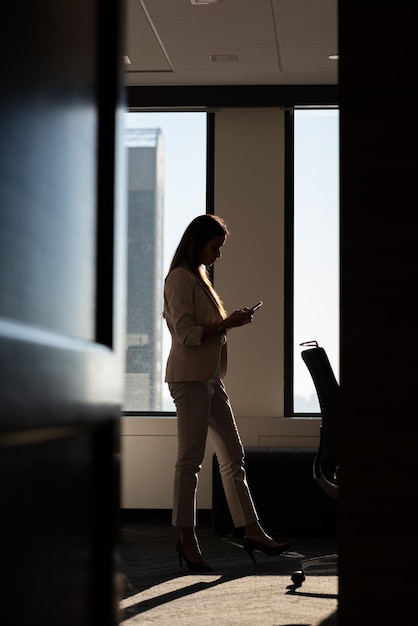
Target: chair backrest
(328, 391)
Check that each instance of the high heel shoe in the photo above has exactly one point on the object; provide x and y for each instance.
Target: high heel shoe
(251, 544)
(193, 566)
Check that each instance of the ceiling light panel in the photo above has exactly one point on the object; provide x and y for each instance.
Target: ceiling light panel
(223, 58)
(201, 2)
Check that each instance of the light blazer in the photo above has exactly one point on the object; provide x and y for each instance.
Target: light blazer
(188, 305)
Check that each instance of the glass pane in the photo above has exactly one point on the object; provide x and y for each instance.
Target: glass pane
(166, 189)
(316, 245)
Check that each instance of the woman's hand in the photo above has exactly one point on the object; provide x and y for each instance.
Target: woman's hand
(239, 318)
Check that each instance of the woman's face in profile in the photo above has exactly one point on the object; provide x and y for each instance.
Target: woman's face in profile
(212, 251)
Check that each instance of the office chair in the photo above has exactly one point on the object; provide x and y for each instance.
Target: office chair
(325, 466)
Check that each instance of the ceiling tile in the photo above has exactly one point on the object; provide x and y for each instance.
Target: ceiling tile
(147, 59)
(317, 28)
(215, 30)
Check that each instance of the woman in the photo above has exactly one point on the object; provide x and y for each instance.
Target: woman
(196, 365)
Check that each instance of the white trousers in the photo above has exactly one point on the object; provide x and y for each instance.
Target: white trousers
(203, 410)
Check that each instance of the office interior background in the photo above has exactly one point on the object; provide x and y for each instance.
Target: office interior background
(63, 269)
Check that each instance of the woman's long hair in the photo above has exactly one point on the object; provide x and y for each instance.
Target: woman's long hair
(189, 251)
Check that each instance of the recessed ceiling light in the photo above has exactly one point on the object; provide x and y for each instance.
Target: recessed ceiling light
(199, 2)
(223, 58)
(333, 57)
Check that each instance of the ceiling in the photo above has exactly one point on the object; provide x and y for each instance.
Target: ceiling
(274, 42)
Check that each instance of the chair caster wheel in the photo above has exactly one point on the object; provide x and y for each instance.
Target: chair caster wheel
(297, 578)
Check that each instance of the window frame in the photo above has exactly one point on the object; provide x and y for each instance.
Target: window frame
(289, 248)
(208, 99)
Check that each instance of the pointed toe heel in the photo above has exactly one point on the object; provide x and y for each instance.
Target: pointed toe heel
(192, 566)
(250, 545)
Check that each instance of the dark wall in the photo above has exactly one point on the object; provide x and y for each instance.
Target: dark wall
(60, 358)
(379, 197)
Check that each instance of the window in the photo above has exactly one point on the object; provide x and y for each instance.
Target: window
(315, 238)
(167, 188)
(166, 168)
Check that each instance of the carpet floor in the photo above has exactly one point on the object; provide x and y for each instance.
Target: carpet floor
(155, 590)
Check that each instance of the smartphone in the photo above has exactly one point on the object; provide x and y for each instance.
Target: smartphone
(255, 308)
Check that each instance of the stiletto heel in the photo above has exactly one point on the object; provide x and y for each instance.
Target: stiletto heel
(251, 544)
(250, 550)
(193, 566)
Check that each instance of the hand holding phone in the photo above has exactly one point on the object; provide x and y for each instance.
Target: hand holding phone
(255, 308)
